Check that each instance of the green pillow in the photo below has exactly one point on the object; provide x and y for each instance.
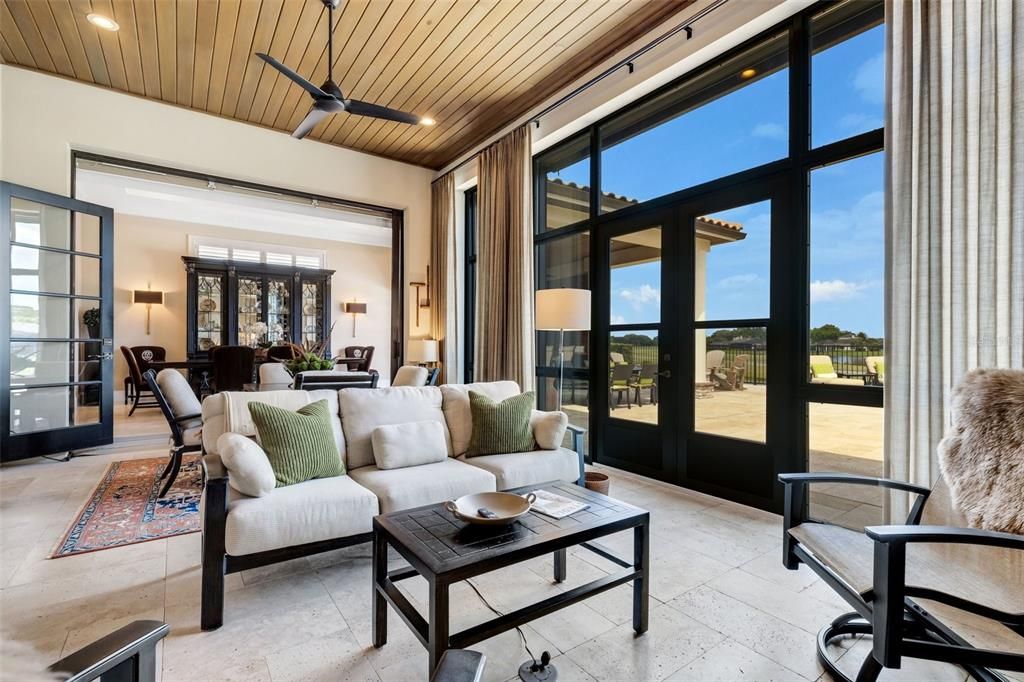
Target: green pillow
(300, 445)
(502, 427)
(823, 369)
(880, 368)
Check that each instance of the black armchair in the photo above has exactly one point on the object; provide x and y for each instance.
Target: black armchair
(183, 413)
(127, 654)
(975, 609)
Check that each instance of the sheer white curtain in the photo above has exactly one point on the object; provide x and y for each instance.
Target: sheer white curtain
(955, 213)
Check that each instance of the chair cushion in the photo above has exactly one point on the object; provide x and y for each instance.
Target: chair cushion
(300, 445)
(457, 412)
(180, 397)
(990, 576)
(407, 445)
(321, 509)
(364, 410)
(398, 489)
(411, 375)
(501, 426)
(516, 469)
(274, 373)
(549, 428)
(249, 470)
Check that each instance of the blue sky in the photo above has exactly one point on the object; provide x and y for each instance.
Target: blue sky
(747, 128)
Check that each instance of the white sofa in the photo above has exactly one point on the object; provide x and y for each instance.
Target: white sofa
(242, 531)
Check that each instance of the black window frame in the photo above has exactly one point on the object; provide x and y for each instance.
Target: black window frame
(851, 18)
(469, 270)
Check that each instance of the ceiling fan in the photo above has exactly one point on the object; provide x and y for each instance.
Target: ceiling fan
(328, 99)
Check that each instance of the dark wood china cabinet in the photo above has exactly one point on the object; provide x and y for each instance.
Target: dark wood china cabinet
(228, 299)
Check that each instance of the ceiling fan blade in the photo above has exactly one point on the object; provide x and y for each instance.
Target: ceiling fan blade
(354, 106)
(306, 85)
(314, 116)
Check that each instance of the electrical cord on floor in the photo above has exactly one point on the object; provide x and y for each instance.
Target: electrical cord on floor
(499, 613)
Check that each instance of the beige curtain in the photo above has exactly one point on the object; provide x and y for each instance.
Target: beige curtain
(504, 315)
(955, 213)
(442, 282)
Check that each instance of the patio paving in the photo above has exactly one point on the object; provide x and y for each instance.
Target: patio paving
(842, 438)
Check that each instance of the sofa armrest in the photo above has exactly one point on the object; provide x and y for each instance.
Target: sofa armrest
(577, 445)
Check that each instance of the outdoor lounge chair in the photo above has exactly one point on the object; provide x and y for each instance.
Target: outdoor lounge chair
(944, 592)
(738, 373)
(647, 380)
(714, 361)
(875, 365)
(621, 382)
(822, 372)
(616, 359)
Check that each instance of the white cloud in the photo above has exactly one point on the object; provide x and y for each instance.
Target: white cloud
(642, 295)
(772, 131)
(859, 122)
(869, 81)
(618, 319)
(738, 281)
(835, 290)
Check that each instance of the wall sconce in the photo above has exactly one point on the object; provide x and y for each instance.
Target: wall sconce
(418, 301)
(149, 298)
(353, 309)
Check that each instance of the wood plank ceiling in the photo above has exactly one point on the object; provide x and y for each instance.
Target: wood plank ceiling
(472, 65)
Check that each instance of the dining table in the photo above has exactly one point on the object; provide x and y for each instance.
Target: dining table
(194, 365)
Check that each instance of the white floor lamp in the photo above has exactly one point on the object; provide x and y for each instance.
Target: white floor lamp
(563, 310)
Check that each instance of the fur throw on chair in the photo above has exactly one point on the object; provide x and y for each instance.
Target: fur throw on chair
(982, 453)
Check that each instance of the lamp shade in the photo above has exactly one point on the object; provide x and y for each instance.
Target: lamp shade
(146, 296)
(353, 307)
(566, 309)
(421, 350)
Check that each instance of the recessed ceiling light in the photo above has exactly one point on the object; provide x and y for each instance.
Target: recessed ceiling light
(748, 73)
(103, 22)
(427, 121)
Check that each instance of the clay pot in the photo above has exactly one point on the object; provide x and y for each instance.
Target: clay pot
(597, 482)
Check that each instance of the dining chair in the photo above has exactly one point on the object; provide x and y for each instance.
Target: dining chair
(147, 354)
(363, 355)
(183, 413)
(274, 373)
(283, 353)
(232, 367)
(313, 381)
(139, 385)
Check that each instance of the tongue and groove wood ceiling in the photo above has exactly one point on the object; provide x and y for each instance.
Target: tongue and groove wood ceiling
(472, 65)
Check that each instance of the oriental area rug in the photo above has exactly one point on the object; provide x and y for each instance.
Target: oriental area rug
(124, 508)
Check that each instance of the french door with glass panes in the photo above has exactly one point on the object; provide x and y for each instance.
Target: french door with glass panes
(693, 311)
(56, 323)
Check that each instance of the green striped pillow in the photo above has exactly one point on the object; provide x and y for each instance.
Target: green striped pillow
(300, 445)
(502, 427)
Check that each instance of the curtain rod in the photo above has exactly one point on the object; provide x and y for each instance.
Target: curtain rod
(627, 61)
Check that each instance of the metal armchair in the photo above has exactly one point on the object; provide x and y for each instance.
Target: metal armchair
(127, 654)
(975, 608)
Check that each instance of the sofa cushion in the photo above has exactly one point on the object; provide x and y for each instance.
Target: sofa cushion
(364, 410)
(300, 445)
(214, 420)
(249, 470)
(516, 469)
(407, 445)
(548, 428)
(398, 489)
(500, 426)
(321, 509)
(457, 411)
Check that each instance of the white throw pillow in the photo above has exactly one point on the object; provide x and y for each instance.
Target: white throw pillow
(549, 428)
(249, 470)
(396, 446)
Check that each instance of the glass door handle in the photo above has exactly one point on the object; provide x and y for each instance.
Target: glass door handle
(666, 373)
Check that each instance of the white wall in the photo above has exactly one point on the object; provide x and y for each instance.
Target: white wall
(148, 251)
(43, 118)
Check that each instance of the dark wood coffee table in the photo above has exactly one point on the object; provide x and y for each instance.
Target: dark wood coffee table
(445, 550)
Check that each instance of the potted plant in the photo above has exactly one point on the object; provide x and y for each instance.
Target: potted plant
(311, 356)
(91, 320)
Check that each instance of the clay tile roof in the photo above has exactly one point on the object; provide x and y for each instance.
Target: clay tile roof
(610, 195)
(721, 223)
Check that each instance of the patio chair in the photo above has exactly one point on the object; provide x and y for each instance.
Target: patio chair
(621, 382)
(950, 590)
(616, 359)
(823, 372)
(647, 379)
(875, 365)
(184, 415)
(738, 372)
(713, 361)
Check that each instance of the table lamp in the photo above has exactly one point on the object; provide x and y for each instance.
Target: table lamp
(562, 310)
(422, 351)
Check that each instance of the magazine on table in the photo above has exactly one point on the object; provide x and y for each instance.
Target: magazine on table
(556, 506)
